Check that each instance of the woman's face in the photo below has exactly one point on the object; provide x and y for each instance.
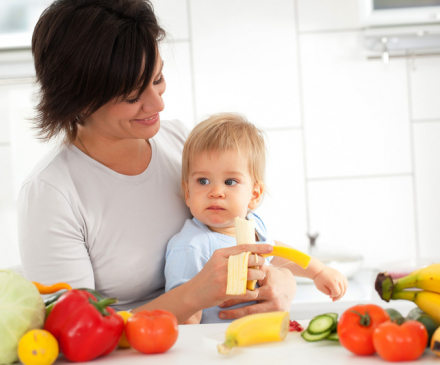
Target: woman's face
(131, 118)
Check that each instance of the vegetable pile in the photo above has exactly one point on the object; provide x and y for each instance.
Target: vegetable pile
(76, 322)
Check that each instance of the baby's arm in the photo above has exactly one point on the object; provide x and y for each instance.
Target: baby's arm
(328, 280)
(194, 319)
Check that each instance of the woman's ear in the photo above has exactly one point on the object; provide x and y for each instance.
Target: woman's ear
(257, 195)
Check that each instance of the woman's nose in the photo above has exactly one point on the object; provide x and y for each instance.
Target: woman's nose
(153, 100)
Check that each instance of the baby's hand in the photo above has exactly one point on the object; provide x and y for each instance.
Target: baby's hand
(331, 282)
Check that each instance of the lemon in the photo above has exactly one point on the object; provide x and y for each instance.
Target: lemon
(38, 347)
(123, 342)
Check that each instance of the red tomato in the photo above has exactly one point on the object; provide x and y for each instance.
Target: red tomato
(356, 326)
(152, 332)
(406, 342)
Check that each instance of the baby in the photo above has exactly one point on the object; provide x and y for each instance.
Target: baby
(223, 166)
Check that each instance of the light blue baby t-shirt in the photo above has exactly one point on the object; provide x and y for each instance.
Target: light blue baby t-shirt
(190, 249)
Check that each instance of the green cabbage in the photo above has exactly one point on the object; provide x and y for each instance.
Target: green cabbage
(21, 309)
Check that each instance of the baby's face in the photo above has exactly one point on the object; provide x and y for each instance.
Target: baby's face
(219, 189)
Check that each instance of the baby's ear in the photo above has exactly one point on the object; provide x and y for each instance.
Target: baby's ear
(257, 195)
(185, 192)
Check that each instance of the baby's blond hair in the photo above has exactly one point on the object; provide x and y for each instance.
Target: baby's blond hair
(226, 132)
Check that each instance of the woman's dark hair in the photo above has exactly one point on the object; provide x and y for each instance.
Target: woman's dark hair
(88, 52)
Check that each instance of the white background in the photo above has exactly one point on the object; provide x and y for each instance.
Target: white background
(354, 144)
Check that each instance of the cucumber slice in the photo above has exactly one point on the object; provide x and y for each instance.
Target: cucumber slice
(335, 318)
(333, 336)
(321, 324)
(310, 337)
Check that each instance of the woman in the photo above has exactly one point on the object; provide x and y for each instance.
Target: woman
(99, 211)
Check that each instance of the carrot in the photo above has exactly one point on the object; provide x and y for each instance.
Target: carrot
(49, 289)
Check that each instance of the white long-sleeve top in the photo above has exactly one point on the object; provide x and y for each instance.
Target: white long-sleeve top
(82, 223)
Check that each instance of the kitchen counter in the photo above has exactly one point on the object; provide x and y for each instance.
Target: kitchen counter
(197, 344)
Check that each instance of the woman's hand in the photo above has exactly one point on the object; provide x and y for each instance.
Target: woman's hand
(275, 293)
(209, 285)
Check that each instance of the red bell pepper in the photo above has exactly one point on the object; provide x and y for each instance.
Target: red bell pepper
(84, 328)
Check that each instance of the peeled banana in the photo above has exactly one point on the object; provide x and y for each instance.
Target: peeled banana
(245, 233)
(426, 278)
(255, 328)
(428, 302)
(237, 274)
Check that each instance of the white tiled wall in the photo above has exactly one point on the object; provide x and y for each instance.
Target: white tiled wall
(425, 88)
(245, 59)
(353, 144)
(356, 115)
(427, 168)
(283, 208)
(369, 216)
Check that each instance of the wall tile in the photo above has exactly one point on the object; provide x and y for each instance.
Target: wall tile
(318, 15)
(355, 111)
(6, 173)
(4, 124)
(425, 87)
(178, 96)
(372, 217)
(16, 64)
(9, 254)
(427, 173)
(26, 149)
(173, 17)
(284, 208)
(246, 63)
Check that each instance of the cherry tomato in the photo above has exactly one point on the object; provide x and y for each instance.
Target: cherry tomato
(152, 332)
(406, 342)
(356, 327)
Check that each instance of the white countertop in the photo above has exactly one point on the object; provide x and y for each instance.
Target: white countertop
(197, 344)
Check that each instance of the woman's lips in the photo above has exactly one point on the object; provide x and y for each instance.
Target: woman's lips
(148, 121)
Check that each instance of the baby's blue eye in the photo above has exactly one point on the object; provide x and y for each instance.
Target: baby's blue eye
(203, 181)
(230, 182)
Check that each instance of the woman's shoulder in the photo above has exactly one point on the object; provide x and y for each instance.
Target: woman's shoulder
(51, 167)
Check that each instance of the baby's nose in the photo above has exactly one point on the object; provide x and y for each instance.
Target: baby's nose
(217, 192)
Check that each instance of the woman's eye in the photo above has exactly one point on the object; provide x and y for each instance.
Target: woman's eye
(159, 80)
(132, 101)
(203, 181)
(230, 182)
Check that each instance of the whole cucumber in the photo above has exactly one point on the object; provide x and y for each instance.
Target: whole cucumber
(416, 314)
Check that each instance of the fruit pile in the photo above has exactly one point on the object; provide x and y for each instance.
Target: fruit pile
(427, 279)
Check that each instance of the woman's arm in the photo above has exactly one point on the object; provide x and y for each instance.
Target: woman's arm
(208, 288)
(50, 237)
(195, 318)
